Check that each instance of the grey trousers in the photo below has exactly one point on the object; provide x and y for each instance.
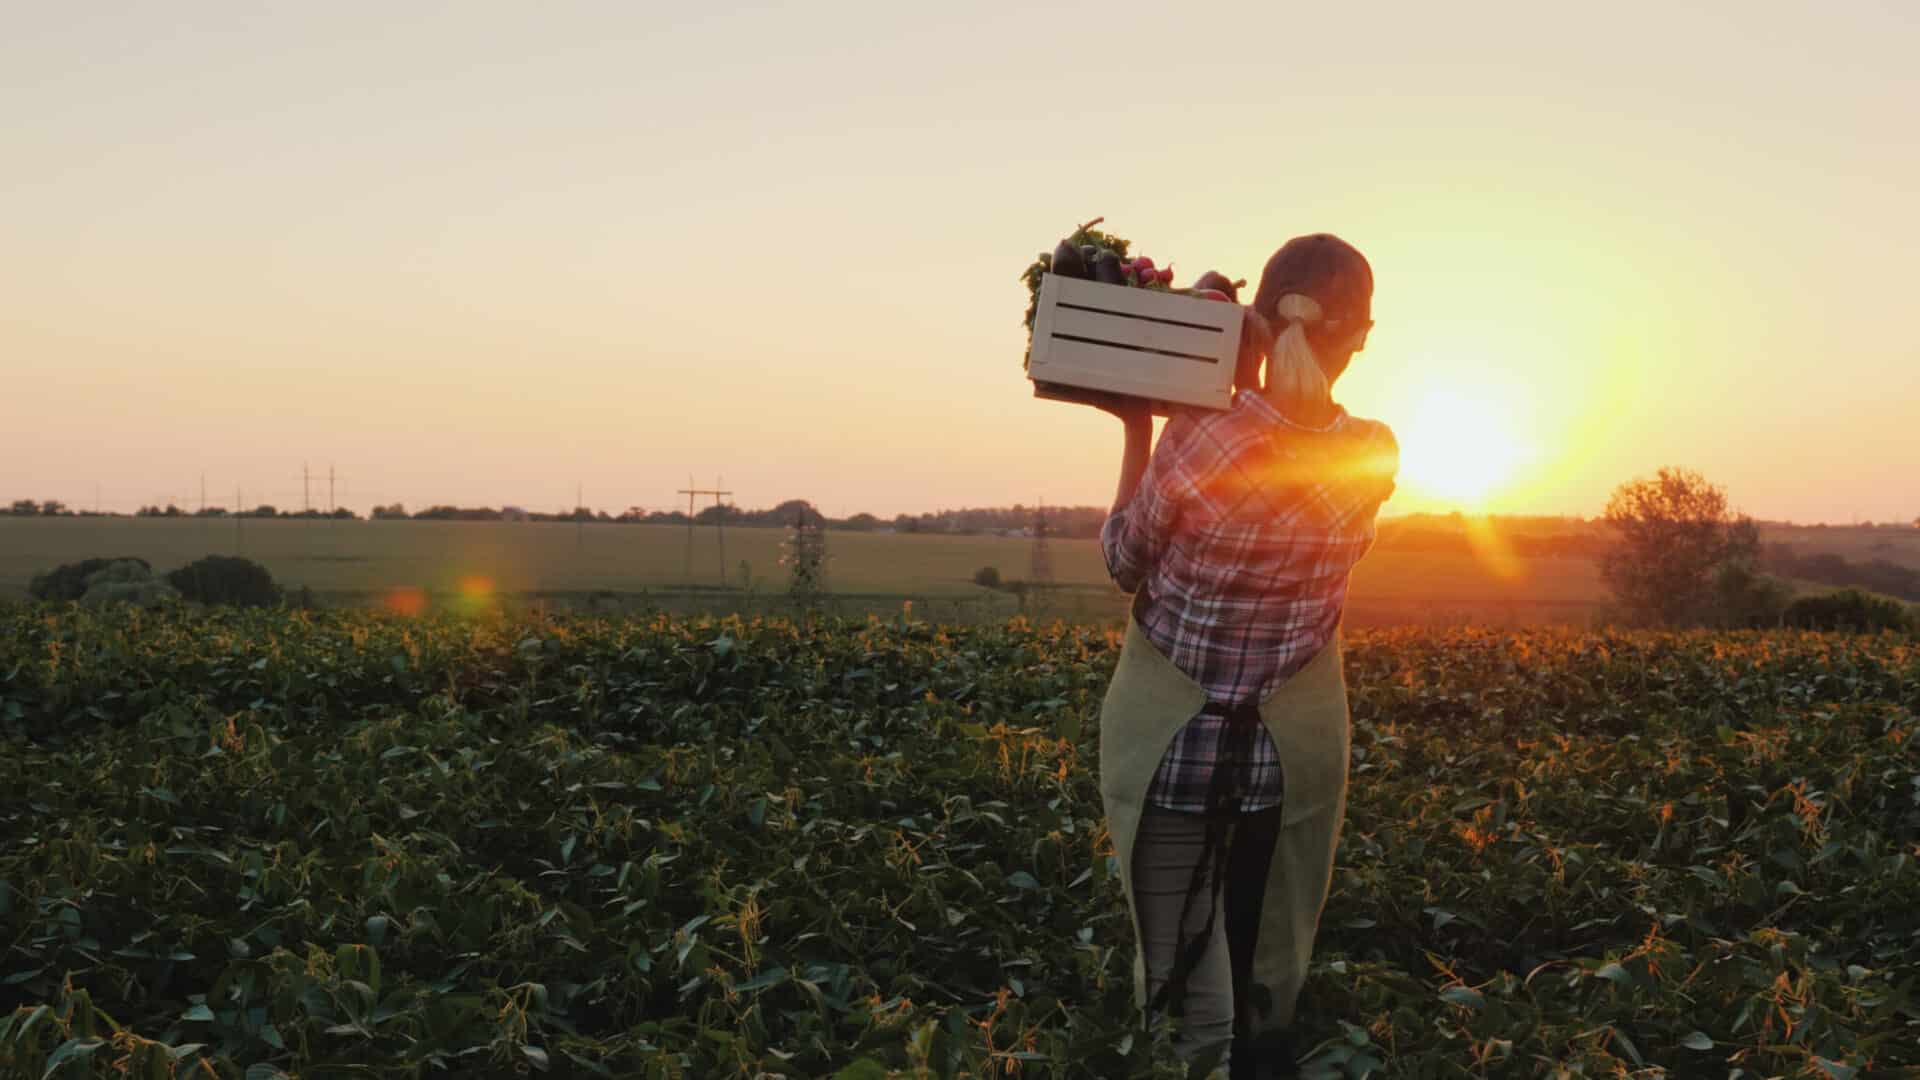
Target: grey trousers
(1220, 1000)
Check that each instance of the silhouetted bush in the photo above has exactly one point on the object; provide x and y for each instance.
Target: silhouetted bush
(226, 579)
(987, 577)
(128, 581)
(1742, 597)
(1848, 609)
(69, 580)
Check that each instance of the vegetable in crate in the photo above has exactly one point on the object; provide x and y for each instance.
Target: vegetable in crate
(1089, 244)
(1218, 282)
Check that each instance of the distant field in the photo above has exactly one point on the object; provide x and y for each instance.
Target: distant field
(1898, 544)
(363, 562)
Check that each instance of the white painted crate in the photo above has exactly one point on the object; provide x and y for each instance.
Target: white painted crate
(1164, 347)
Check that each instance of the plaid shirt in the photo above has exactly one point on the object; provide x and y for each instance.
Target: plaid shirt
(1241, 537)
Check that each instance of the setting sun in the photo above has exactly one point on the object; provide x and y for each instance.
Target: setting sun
(1458, 446)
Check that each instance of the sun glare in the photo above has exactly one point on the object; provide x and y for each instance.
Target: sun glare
(1457, 446)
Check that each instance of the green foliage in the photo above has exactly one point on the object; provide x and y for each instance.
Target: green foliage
(1030, 277)
(333, 843)
(69, 581)
(1673, 533)
(1849, 609)
(128, 581)
(1742, 597)
(226, 579)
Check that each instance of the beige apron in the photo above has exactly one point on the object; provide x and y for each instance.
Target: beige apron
(1146, 704)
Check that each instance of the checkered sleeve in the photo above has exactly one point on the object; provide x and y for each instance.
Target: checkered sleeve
(1382, 462)
(1135, 536)
(1378, 467)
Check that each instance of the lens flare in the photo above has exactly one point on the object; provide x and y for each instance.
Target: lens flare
(475, 595)
(405, 600)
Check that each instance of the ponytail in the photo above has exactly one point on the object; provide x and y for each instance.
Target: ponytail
(1293, 371)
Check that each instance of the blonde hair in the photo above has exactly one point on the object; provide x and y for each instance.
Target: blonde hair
(1293, 371)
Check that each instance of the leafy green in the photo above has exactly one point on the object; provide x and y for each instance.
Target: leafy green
(309, 843)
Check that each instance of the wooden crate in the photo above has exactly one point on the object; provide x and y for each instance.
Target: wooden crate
(1165, 347)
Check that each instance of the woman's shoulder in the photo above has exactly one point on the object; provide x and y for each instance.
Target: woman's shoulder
(1373, 431)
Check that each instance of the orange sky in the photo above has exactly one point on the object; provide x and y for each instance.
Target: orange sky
(481, 253)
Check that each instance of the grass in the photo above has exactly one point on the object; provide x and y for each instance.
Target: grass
(629, 567)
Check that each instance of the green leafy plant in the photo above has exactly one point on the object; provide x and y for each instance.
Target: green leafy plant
(69, 580)
(226, 579)
(1849, 609)
(258, 842)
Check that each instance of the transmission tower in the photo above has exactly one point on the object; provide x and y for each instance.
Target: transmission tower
(719, 520)
(1041, 571)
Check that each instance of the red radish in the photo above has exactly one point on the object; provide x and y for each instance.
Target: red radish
(1143, 263)
(1212, 294)
(1166, 275)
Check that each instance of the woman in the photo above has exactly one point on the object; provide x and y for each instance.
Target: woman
(1224, 733)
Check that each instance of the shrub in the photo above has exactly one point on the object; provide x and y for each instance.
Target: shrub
(128, 581)
(226, 579)
(69, 580)
(1743, 598)
(1848, 609)
(987, 577)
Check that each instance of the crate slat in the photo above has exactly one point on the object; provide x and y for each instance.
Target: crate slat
(1160, 346)
(1197, 345)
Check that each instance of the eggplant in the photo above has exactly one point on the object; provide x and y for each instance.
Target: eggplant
(1067, 261)
(1107, 269)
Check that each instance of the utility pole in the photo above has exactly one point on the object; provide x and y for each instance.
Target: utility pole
(689, 492)
(579, 523)
(239, 523)
(330, 503)
(306, 490)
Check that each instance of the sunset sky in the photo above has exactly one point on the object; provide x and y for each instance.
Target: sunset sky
(479, 253)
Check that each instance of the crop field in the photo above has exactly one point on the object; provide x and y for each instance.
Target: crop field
(348, 843)
(635, 567)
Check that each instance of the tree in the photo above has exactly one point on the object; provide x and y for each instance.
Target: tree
(226, 579)
(68, 581)
(28, 508)
(1673, 532)
(396, 512)
(987, 577)
(129, 581)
